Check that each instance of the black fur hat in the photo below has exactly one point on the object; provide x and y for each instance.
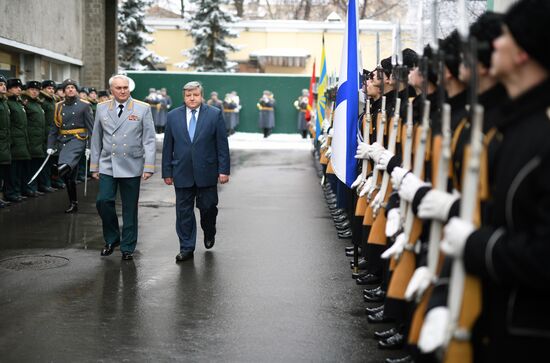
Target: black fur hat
(48, 83)
(528, 23)
(410, 58)
(486, 29)
(34, 84)
(451, 47)
(386, 65)
(14, 82)
(69, 82)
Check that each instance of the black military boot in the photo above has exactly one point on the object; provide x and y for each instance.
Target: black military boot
(73, 207)
(63, 170)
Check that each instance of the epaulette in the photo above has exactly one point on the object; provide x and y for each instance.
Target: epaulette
(85, 101)
(142, 103)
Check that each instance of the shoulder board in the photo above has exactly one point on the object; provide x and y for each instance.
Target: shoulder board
(141, 102)
(85, 101)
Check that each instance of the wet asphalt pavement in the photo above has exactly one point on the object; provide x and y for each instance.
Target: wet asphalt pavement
(275, 288)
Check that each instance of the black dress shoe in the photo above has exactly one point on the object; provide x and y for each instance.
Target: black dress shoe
(209, 242)
(5, 202)
(14, 199)
(385, 334)
(30, 195)
(374, 310)
(396, 341)
(378, 318)
(378, 296)
(371, 291)
(73, 208)
(361, 265)
(343, 225)
(184, 256)
(338, 212)
(46, 190)
(340, 218)
(406, 359)
(344, 234)
(108, 249)
(38, 193)
(127, 256)
(369, 279)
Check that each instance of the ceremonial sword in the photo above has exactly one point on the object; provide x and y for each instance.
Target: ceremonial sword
(40, 169)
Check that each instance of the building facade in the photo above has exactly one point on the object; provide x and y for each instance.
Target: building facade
(59, 39)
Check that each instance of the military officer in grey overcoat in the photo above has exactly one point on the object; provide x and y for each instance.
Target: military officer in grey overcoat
(123, 152)
(70, 133)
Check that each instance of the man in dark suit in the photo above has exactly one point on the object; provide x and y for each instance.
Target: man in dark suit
(195, 156)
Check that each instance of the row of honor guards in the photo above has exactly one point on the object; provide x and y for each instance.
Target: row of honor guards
(44, 129)
(450, 212)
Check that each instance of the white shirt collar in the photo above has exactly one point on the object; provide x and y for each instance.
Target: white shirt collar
(123, 103)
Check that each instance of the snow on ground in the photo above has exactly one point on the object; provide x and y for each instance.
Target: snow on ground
(256, 141)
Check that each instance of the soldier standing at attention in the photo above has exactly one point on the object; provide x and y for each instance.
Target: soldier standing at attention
(266, 105)
(301, 105)
(123, 152)
(36, 129)
(47, 97)
(72, 127)
(5, 153)
(17, 190)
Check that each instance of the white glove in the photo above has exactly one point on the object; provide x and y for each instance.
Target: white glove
(375, 151)
(436, 204)
(409, 186)
(358, 182)
(393, 222)
(455, 234)
(419, 282)
(329, 152)
(331, 132)
(50, 151)
(366, 187)
(397, 248)
(362, 151)
(321, 138)
(434, 329)
(397, 176)
(87, 153)
(324, 144)
(383, 160)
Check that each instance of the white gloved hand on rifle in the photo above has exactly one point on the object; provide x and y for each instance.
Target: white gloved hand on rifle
(419, 282)
(50, 151)
(384, 160)
(367, 186)
(434, 329)
(358, 183)
(329, 152)
(437, 204)
(455, 234)
(375, 151)
(410, 185)
(393, 222)
(362, 151)
(397, 176)
(397, 248)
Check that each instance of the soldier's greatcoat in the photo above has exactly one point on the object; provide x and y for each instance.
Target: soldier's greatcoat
(72, 127)
(123, 147)
(267, 113)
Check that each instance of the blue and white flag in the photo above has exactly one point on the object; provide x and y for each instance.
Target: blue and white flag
(344, 140)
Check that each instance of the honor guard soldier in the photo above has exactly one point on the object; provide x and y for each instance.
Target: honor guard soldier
(301, 104)
(17, 190)
(266, 105)
(47, 97)
(72, 128)
(5, 153)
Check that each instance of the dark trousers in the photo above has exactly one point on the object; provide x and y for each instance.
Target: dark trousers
(55, 181)
(186, 226)
(19, 176)
(70, 182)
(105, 203)
(5, 179)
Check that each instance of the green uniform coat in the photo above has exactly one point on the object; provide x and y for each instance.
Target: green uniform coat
(5, 140)
(36, 127)
(18, 129)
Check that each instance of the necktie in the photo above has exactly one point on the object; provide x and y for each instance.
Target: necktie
(192, 124)
(121, 108)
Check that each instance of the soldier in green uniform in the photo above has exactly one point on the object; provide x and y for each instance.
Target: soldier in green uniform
(47, 97)
(5, 153)
(92, 97)
(17, 190)
(72, 128)
(36, 129)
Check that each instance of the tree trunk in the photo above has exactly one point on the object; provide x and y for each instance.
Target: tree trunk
(363, 10)
(307, 9)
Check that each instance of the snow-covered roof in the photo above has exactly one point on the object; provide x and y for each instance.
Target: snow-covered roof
(281, 25)
(280, 52)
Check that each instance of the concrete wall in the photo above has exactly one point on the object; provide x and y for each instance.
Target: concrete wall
(94, 43)
(37, 23)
